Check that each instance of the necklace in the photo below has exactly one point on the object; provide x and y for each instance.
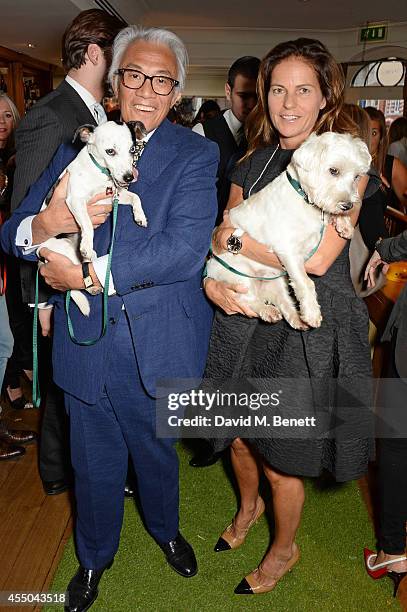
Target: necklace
(264, 169)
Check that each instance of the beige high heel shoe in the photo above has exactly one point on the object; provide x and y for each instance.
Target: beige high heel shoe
(228, 541)
(251, 586)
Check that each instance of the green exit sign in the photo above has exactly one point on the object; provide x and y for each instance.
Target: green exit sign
(373, 33)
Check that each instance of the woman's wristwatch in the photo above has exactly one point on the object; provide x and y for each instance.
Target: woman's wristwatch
(234, 243)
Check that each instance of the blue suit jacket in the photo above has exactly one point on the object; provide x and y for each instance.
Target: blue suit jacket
(156, 270)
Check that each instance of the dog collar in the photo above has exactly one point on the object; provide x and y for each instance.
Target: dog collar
(294, 183)
(101, 168)
(297, 186)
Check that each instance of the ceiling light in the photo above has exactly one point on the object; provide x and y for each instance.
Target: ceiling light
(30, 45)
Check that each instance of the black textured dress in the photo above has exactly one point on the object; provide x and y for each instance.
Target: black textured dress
(244, 348)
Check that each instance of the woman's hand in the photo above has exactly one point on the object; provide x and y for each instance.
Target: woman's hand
(226, 296)
(370, 272)
(57, 218)
(221, 234)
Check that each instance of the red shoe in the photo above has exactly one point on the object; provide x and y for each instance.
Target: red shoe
(379, 570)
(374, 572)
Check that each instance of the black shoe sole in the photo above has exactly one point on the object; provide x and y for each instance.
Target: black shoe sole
(181, 574)
(66, 609)
(57, 491)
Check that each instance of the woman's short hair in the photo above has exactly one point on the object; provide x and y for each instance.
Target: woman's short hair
(89, 27)
(15, 114)
(260, 131)
(133, 33)
(379, 157)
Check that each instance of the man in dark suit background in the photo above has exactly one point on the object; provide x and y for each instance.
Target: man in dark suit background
(86, 56)
(227, 130)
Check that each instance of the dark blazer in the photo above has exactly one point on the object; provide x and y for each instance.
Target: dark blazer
(49, 123)
(156, 270)
(395, 249)
(217, 129)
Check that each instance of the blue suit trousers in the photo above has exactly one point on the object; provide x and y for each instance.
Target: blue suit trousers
(122, 422)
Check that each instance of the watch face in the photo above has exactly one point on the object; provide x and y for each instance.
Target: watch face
(88, 282)
(94, 290)
(234, 244)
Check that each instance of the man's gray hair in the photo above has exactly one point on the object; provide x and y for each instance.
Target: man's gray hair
(132, 34)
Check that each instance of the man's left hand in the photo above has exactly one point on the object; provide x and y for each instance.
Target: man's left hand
(59, 272)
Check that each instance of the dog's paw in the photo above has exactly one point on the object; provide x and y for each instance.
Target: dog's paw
(346, 233)
(297, 323)
(344, 227)
(312, 319)
(140, 219)
(270, 314)
(86, 249)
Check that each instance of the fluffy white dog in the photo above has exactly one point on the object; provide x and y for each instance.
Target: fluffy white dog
(289, 216)
(104, 165)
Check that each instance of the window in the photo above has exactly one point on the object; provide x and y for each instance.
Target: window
(381, 73)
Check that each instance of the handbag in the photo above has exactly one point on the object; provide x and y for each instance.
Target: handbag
(359, 256)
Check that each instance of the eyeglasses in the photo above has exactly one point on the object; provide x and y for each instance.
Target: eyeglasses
(134, 79)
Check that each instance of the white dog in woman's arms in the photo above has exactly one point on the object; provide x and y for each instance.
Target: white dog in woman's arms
(104, 165)
(288, 216)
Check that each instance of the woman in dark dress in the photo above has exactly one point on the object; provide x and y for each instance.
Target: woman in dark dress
(300, 88)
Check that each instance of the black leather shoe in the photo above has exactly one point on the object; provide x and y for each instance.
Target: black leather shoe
(180, 556)
(82, 591)
(205, 459)
(10, 451)
(18, 436)
(55, 487)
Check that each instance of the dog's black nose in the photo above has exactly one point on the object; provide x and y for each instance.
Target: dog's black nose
(128, 177)
(346, 205)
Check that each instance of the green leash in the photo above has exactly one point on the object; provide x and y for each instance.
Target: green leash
(297, 186)
(93, 341)
(261, 278)
(36, 387)
(36, 384)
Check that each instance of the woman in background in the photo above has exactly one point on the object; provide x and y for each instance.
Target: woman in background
(371, 216)
(391, 559)
(20, 363)
(391, 169)
(398, 139)
(9, 439)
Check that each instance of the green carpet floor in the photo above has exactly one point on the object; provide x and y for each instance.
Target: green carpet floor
(329, 577)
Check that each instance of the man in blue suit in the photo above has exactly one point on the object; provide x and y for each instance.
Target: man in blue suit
(159, 320)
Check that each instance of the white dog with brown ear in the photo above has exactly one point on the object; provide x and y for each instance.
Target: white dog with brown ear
(289, 216)
(104, 165)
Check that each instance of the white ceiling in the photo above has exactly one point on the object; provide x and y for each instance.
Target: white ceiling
(42, 22)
